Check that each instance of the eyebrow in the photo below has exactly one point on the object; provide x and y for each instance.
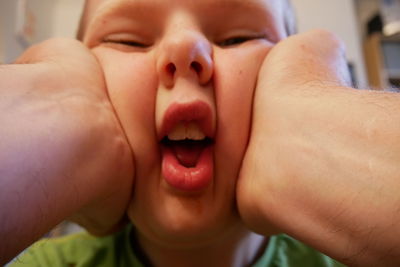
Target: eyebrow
(121, 5)
(258, 10)
(239, 3)
(123, 8)
(140, 8)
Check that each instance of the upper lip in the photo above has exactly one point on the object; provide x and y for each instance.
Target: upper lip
(198, 112)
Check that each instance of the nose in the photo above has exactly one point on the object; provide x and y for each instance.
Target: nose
(185, 54)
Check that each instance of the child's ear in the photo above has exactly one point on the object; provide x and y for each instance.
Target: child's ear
(83, 21)
(80, 32)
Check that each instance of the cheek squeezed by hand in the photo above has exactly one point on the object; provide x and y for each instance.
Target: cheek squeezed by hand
(295, 73)
(320, 161)
(89, 161)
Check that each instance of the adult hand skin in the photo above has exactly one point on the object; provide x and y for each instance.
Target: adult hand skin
(62, 150)
(323, 160)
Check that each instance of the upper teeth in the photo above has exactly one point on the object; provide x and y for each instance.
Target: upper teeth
(186, 131)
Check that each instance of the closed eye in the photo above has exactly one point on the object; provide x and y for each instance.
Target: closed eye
(126, 43)
(238, 40)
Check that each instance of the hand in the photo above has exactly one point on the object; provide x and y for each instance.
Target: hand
(75, 95)
(322, 161)
(289, 80)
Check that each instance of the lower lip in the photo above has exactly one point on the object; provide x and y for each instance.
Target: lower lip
(188, 179)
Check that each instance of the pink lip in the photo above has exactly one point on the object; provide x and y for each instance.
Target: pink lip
(198, 112)
(188, 179)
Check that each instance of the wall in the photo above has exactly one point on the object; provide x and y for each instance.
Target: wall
(11, 47)
(42, 11)
(338, 16)
(54, 18)
(366, 9)
(66, 17)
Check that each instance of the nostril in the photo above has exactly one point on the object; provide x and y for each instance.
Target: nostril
(196, 66)
(170, 68)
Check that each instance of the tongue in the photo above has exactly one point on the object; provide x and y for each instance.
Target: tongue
(187, 152)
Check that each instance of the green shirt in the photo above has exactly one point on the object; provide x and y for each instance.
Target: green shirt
(84, 250)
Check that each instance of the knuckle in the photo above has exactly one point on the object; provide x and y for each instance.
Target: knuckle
(329, 38)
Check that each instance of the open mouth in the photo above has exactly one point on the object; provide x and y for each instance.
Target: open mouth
(187, 142)
(187, 147)
(187, 151)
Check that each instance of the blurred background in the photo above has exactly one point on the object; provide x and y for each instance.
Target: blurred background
(370, 29)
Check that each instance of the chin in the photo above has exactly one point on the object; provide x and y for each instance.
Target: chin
(182, 220)
(166, 214)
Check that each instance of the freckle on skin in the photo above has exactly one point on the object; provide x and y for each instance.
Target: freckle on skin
(304, 47)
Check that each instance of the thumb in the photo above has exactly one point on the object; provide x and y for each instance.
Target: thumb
(314, 58)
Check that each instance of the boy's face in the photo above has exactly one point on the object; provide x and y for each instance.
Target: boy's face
(179, 70)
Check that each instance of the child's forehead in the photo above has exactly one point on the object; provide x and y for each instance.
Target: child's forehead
(98, 10)
(95, 3)
(96, 7)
